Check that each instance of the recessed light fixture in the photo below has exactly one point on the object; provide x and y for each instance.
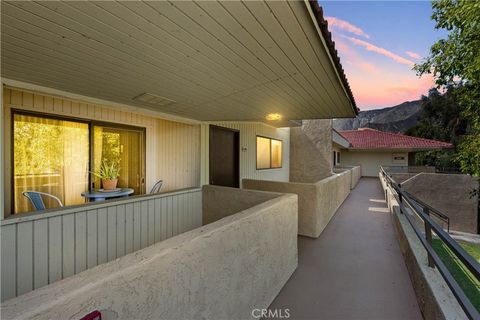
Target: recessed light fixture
(273, 117)
(154, 99)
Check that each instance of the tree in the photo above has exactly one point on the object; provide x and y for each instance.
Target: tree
(441, 118)
(454, 60)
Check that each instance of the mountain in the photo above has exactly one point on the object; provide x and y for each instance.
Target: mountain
(392, 119)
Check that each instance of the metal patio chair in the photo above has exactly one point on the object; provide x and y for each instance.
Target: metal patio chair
(35, 198)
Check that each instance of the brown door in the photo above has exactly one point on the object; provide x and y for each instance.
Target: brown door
(224, 157)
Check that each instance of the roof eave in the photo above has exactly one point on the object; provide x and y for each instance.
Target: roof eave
(403, 149)
(333, 53)
(340, 140)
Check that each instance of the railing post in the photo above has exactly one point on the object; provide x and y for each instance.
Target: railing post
(387, 185)
(400, 198)
(428, 236)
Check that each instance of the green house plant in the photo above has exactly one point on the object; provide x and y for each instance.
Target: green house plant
(109, 174)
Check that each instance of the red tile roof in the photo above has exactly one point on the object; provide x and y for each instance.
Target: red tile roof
(367, 138)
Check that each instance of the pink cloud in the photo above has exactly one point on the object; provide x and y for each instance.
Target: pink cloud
(346, 26)
(350, 56)
(376, 82)
(370, 92)
(342, 47)
(382, 51)
(368, 67)
(413, 55)
(362, 65)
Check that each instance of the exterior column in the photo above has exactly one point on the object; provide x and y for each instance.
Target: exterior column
(311, 151)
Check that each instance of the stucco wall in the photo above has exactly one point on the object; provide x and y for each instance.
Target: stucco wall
(401, 177)
(369, 161)
(317, 202)
(356, 173)
(418, 169)
(449, 193)
(331, 192)
(311, 151)
(196, 275)
(221, 202)
(307, 201)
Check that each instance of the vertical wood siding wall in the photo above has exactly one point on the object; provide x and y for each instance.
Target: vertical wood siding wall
(2, 157)
(40, 249)
(172, 148)
(248, 145)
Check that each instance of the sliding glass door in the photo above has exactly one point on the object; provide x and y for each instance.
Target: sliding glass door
(124, 146)
(55, 155)
(50, 155)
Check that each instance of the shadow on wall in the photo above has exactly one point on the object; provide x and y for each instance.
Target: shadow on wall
(221, 202)
(448, 193)
(311, 151)
(317, 202)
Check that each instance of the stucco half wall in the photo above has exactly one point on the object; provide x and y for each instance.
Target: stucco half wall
(356, 173)
(317, 202)
(218, 203)
(199, 274)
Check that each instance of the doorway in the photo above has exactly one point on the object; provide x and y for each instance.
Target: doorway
(224, 157)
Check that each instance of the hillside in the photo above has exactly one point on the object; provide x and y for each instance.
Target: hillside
(393, 119)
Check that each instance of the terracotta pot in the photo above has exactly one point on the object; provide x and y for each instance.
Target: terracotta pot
(109, 184)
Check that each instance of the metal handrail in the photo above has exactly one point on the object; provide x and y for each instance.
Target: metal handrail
(404, 199)
(437, 213)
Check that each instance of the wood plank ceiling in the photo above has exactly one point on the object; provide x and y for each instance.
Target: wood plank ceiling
(227, 60)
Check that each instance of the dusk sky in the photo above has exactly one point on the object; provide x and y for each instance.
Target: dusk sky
(378, 43)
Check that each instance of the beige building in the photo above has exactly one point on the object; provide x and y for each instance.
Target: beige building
(186, 93)
(153, 166)
(370, 149)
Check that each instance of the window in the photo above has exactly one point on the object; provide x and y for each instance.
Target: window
(269, 153)
(54, 155)
(123, 146)
(49, 155)
(399, 158)
(336, 158)
(276, 153)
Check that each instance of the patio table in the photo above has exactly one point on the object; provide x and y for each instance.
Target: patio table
(97, 195)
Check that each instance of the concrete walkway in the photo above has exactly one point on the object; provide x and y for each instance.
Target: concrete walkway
(355, 269)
